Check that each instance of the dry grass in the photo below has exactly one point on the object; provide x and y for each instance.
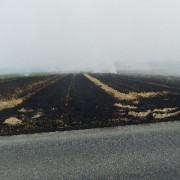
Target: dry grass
(12, 121)
(37, 115)
(10, 104)
(165, 110)
(148, 94)
(139, 114)
(165, 115)
(156, 113)
(68, 99)
(23, 110)
(122, 96)
(124, 106)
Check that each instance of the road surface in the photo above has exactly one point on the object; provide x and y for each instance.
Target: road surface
(130, 152)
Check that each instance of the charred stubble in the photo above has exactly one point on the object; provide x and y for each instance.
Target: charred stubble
(74, 102)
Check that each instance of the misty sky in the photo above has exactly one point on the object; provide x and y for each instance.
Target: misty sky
(88, 34)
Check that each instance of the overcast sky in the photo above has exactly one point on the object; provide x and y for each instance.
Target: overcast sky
(88, 34)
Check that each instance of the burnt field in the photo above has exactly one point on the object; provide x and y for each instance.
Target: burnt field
(77, 101)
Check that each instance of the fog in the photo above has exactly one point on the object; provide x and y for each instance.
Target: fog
(89, 35)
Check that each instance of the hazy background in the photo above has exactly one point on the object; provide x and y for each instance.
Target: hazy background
(89, 35)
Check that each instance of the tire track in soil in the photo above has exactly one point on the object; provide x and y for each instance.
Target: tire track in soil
(90, 106)
(68, 98)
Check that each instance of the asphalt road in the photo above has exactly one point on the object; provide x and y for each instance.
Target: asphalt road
(130, 152)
